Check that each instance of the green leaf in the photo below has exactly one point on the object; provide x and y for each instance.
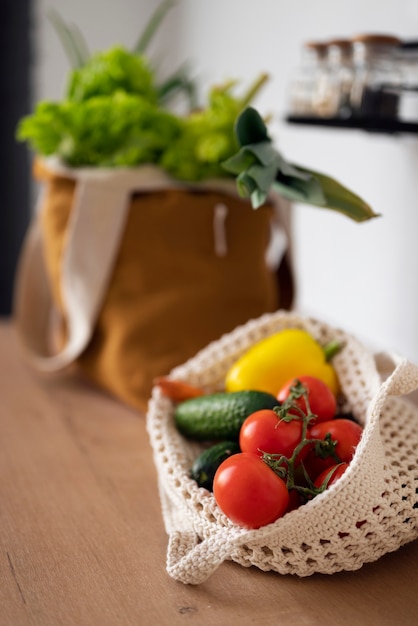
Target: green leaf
(71, 39)
(108, 72)
(250, 128)
(258, 198)
(341, 199)
(293, 171)
(80, 43)
(253, 90)
(264, 153)
(240, 161)
(259, 168)
(128, 130)
(178, 81)
(299, 190)
(256, 182)
(152, 26)
(263, 176)
(45, 129)
(245, 185)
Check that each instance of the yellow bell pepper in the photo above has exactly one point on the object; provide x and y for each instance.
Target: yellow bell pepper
(273, 361)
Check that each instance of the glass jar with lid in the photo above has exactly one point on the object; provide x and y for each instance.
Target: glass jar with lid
(341, 74)
(303, 86)
(332, 92)
(408, 60)
(377, 76)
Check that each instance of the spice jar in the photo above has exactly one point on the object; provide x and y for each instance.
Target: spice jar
(340, 76)
(332, 92)
(377, 77)
(313, 64)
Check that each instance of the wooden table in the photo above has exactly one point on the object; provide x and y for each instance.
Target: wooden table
(82, 536)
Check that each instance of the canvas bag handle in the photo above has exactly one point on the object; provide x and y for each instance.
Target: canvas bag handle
(96, 225)
(192, 561)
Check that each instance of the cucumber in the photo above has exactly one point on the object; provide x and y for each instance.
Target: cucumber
(205, 465)
(220, 415)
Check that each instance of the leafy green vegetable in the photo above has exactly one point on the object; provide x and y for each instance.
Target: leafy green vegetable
(78, 55)
(208, 136)
(110, 71)
(107, 121)
(260, 168)
(113, 130)
(114, 114)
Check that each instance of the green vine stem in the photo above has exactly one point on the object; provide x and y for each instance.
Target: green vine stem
(284, 466)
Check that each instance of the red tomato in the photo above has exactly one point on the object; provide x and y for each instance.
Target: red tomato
(314, 465)
(249, 492)
(346, 432)
(264, 431)
(335, 472)
(322, 401)
(295, 500)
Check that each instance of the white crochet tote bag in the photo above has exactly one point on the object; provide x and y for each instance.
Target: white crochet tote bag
(371, 510)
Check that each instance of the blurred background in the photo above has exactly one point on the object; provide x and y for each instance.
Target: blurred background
(361, 277)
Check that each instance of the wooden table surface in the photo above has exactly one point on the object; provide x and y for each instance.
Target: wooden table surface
(82, 536)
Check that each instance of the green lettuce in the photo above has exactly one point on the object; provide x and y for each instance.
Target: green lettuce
(110, 71)
(120, 129)
(114, 114)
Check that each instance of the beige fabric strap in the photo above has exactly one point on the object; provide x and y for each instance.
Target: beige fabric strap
(96, 225)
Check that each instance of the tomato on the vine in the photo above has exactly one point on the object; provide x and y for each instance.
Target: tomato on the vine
(314, 464)
(345, 432)
(249, 492)
(295, 500)
(322, 401)
(264, 431)
(332, 473)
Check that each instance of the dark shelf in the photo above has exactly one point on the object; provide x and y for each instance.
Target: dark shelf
(371, 125)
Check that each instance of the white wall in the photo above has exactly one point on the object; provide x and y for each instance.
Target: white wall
(359, 276)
